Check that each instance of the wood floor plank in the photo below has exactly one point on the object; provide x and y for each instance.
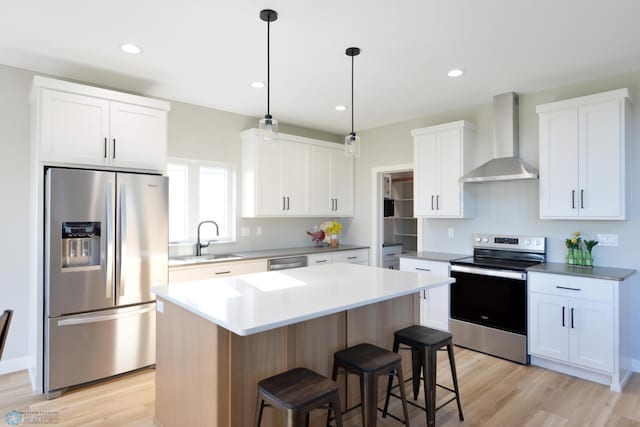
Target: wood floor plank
(494, 392)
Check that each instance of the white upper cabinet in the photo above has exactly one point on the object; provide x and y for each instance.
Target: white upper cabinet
(295, 177)
(441, 157)
(331, 185)
(83, 125)
(583, 157)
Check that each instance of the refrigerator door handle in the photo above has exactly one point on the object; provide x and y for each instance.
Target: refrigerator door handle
(103, 318)
(123, 240)
(108, 271)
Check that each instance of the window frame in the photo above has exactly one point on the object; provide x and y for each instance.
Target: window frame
(193, 199)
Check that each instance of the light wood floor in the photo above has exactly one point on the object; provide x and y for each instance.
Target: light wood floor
(494, 393)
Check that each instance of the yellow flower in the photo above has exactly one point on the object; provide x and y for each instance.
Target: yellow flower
(334, 228)
(574, 240)
(576, 233)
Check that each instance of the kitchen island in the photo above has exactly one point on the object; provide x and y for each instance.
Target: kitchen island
(217, 338)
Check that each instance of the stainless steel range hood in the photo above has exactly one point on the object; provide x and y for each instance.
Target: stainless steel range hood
(505, 165)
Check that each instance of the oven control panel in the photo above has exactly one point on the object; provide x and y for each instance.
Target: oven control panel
(514, 243)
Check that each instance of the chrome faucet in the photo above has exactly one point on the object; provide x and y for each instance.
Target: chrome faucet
(199, 245)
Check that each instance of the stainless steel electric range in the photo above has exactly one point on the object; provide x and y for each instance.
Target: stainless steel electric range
(489, 297)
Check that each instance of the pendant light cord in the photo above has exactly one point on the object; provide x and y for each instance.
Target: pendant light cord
(352, 109)
(268, 69)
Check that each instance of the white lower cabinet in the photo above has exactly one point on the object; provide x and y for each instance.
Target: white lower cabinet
(355, 256)
(434, 306)
(215, 270)
(579, 326)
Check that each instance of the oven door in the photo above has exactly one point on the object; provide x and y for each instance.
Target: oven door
(493, 298)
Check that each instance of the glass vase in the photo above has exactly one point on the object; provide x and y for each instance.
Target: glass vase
(588, 259)
(571, 256)
(333, 242)
(579, 256)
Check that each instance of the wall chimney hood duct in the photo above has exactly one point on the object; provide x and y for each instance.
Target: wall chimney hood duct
(505, 165)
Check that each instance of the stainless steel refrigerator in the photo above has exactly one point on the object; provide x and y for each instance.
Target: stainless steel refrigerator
(106, 243)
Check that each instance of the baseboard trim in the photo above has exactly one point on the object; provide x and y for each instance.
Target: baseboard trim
(9, 366)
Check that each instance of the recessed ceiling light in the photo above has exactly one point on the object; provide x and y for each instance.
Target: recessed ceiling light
(131, 48)
(257, 85)
(455, 72)
(340, 107)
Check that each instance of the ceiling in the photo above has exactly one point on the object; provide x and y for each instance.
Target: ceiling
(207, 52)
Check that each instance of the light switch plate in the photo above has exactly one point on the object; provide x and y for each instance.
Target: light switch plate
(450, 233)
(607, 239)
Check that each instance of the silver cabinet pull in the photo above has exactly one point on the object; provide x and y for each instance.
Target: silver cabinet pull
(438, 202)
(223, 272)
(563, 309)
(288, 206)
(284, 203)
(432, 196)
(114, 148)
(423, 269)
(352, 257)
(105, 147)
(581, 199)
(573, 199)
(336, 204)
(321, 260)
(568, 289)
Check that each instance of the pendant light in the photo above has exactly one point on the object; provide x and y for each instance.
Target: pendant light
(268, 126)
(352, 141)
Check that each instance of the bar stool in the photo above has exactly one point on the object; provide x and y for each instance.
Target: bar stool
(424, 344)
(295, 393)
(370, 362)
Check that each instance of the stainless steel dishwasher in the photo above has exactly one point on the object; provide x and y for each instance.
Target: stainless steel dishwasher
(276, 264)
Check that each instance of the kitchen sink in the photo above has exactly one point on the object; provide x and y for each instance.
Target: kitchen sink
(192, 259)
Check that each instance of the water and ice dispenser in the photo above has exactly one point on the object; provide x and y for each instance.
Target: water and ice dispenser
(80, 244)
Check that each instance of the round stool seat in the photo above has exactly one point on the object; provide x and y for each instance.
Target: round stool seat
(367, 358)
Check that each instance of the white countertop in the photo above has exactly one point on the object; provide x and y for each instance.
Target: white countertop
(253, 303)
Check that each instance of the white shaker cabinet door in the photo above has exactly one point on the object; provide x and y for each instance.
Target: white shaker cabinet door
(425, 174)
(591, 334)
(559, 192)
(341, 183)
(601, 162)
(295, 177)
(549, 326)
(268, 193)
(138, 136)
(320, 194)
(74, 128)
(449, 198)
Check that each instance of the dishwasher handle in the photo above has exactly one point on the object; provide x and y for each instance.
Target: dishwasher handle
(276, 264)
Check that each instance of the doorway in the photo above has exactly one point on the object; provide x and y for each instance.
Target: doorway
(393, 225)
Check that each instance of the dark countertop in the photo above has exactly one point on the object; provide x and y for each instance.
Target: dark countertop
(608, 273)
(387, 244)
(269, 253)
(432, 256)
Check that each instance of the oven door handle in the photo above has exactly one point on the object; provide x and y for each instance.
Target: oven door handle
(507, 274)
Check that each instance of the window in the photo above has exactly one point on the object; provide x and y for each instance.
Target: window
(201, 191)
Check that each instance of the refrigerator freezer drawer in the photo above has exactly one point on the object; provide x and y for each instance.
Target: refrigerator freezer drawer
(90, 346)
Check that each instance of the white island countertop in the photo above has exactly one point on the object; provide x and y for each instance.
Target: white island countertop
(253, 303)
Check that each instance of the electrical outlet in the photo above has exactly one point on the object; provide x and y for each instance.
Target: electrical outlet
(258, 231)
(607, 239)
(450, 233)
(160, 306)
(245, 231)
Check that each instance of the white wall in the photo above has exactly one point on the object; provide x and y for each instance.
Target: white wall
(15, 213)
(509, 207)
(193, 132)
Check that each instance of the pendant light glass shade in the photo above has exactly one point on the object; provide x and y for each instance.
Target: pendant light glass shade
(268, 126)
(268, 130)
(352, 145)
(352, 141)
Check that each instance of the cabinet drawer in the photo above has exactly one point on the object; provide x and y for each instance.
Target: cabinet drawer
(435, 268)
(215, 270)
(319, 259)
(354, 257)
(571, 286)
